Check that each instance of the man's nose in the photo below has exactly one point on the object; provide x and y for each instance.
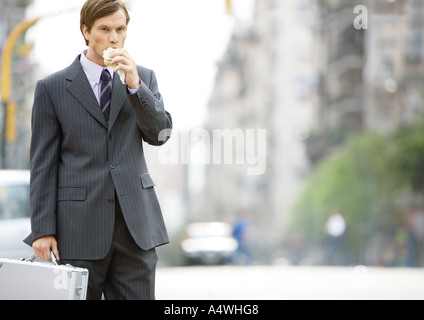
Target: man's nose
(114, 38)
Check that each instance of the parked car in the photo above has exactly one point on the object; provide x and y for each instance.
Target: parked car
(208, 243)
(14, 214)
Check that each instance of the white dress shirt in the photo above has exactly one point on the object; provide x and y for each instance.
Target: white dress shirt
(93, 72)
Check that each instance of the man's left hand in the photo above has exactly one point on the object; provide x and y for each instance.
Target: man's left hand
(128, 65)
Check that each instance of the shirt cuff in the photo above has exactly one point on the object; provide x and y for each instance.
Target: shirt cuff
(133, 91)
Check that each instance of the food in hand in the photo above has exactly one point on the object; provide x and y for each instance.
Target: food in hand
(107, 60)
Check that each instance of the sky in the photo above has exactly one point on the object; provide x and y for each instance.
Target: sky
(180, 40)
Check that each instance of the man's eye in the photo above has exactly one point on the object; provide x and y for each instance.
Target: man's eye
(104, 29)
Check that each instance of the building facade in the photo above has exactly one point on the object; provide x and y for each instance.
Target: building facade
(312, 77)
(264, 84)
(369, 78)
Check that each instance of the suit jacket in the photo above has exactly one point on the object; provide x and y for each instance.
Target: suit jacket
(79, 162)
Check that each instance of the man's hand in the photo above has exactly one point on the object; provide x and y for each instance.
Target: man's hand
(127, 64)
(42, 247)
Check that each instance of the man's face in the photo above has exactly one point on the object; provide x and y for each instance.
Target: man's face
(109, 31)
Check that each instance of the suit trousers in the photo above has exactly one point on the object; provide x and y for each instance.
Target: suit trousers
(126, 273)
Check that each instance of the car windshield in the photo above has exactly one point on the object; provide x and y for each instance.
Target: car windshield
(14, 202)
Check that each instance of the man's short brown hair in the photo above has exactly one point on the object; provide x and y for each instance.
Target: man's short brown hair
(96, 9)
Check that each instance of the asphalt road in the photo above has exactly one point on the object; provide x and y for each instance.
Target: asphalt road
(289, 283)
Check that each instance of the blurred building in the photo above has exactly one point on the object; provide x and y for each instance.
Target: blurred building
(304, 72)
(339, 60)
(15, 155)
(368, 78)
(394, 63)
(264, 82)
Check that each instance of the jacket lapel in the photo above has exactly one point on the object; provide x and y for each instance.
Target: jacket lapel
(79, 87)
(119, 94)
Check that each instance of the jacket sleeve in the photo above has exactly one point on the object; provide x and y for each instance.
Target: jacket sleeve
(153, 120)
(44, 159)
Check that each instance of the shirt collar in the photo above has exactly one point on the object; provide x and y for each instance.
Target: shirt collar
(93, 70)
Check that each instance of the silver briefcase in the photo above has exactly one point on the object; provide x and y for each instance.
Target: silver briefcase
(25, 279)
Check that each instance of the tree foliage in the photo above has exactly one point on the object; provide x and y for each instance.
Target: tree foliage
(365, 181)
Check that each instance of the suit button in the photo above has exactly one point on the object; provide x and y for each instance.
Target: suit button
(112, 166)
(110, 136)
(110, 201)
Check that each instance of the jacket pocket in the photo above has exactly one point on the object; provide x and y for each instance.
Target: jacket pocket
(146, 181)
(72, 194)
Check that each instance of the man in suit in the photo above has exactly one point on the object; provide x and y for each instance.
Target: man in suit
(93, 202)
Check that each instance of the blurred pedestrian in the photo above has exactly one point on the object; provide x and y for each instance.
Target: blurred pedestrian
(335, 250)
(92, 199)
(241, 233)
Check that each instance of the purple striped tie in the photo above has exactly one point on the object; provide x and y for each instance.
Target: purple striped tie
(106, 91)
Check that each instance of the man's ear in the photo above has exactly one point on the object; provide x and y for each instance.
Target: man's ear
(85, 32)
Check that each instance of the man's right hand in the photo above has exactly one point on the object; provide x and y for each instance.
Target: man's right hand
(42, 247)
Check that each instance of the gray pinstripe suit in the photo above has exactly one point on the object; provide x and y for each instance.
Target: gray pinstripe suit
(79, 163)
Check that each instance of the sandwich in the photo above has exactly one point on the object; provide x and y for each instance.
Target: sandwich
(107, 59)
(108, 62)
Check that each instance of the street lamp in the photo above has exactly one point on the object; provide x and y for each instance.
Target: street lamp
(9, 134)
(228, 6)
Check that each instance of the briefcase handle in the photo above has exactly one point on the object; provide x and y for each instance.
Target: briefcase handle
(52, 258)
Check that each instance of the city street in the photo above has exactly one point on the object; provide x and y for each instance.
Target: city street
(289, 283)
